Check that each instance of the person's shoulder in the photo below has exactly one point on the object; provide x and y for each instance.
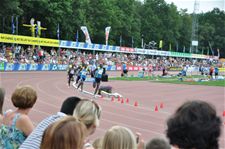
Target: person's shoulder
(24, 117)
(52, 118)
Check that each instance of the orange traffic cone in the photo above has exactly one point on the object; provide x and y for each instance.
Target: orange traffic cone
(156, 108)
(127, 101)
(119, 98)
(135, 103)
(161, 105)
(224, 113)
(122, 101)
(112, 99)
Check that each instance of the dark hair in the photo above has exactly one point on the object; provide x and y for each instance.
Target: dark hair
(69, 105)
(194, 125)
(2, 96)
(157, 143)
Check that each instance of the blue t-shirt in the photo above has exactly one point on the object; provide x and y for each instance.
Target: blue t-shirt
(216, 70)
(83, 73)
(124, 67)
(98, 73)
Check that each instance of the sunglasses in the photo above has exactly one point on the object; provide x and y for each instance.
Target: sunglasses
(97, 110)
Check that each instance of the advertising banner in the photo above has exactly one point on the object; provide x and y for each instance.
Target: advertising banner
(2, 66)
(107, 30)
(7, 38)
(87, 36)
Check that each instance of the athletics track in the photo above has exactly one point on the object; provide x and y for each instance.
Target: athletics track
(52, 90)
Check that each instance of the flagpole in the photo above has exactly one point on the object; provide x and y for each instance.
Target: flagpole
(13, 31)
(132, 42)
(58, 39)
(77, 36)
(17, 25)
(120, 40)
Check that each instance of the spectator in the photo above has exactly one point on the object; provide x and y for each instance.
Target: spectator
(67, 133)
(194, 125)
(34, 139)
(16, 125)
(119, 137)
(2, 96)
(158, 143)
(88, 112)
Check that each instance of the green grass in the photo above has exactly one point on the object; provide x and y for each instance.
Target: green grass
(173, 80)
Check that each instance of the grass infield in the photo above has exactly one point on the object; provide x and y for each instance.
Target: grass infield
(190, 80)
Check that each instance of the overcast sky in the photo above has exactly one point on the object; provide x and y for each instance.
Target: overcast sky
(204, 5)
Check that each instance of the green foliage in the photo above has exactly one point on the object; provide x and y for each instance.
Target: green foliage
(154, 19)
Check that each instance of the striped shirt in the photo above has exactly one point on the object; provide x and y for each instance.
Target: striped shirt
(33, 141)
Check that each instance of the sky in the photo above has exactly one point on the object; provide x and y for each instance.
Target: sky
(204, 5)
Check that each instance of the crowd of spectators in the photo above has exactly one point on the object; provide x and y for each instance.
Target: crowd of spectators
(194, 125)
(31, 55)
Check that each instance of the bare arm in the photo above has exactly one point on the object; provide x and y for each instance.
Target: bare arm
(25, 125)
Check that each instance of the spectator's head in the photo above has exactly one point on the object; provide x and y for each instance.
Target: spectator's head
(24, 97)
(194, 125)
(69, 105)
(2, 96)
(88, 112)
(158, 143)
(67, 133)
(119, 137)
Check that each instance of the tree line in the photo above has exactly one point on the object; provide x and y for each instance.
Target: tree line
(130, 21)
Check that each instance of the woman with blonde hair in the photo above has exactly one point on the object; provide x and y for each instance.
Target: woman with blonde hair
(119, 137)
(67, 133)
(16, 125)
(88, 112)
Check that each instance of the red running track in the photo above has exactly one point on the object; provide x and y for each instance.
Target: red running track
(52, 90)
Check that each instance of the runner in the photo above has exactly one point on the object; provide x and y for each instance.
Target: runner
(71, 73)
(98, 77)
(83, 75)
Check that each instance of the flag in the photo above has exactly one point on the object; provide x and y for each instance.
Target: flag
(13, 26)
(58, 32)
(120, 40)
(85, 31)
(184, 49)
(77, 36)
(212, 52)
(36, 30)
(132, 41)
(160, 44)
(107, 30)
(17, 25)
(218, 51)
(170, 47)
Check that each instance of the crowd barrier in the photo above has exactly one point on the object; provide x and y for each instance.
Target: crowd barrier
(55, 67)
(59, 67)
